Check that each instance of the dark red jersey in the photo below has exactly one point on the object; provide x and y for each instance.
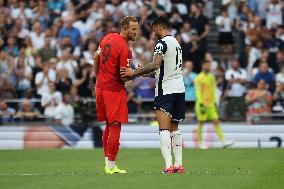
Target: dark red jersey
(114, 54)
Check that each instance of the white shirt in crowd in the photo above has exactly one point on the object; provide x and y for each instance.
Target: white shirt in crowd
(37, 40)
(65, 112)
(280, 77)
(236, 89)
(254, 55)
(88, 57)
(224, 23)
(44, 87)
(274, 15)
(84, 27)
(130, 8)
(70, 65)
(51, 101)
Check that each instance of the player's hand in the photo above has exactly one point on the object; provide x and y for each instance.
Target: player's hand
(126, 73)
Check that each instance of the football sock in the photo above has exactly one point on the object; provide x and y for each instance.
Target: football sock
(219, 132)
(165, 142)
(105, 138)
(111, 164)
(199, 134)
(106, 161)
(177, 147)
(113, 141)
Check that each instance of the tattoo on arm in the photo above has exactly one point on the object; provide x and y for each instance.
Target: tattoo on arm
(148, 68)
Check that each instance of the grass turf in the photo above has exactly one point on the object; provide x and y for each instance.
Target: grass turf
(215, 168)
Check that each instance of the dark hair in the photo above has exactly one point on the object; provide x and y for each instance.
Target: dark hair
(126, 20)
(205, 61)
(162, 21)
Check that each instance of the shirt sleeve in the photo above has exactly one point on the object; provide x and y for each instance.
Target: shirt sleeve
(160, 48)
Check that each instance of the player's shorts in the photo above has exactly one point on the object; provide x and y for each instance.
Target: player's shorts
(172, 104)
(207, 114)
(111, 106)
(71, 135)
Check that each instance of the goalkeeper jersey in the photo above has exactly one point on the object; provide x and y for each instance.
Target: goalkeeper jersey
(205, 89)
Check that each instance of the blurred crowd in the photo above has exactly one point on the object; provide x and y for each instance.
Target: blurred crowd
(46, 49)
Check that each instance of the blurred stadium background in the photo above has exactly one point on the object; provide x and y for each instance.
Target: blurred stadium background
(46, 49)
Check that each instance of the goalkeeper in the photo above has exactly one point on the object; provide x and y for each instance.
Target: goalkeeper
(205, 107)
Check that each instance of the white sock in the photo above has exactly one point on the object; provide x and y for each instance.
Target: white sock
(106, 161)
(111, 164)
(165, 142)
(177, 147)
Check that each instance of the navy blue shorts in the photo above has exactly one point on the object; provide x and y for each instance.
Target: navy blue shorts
(172, 104)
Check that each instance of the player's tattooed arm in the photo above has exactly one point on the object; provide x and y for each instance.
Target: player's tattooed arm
(148, 68)
(96, 64)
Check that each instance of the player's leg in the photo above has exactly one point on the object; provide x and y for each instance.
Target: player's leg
(164, 121)
(101, 116)
(41, 137)
(104, 139)
(113, 143)
(213, 115)
(116, 113)
(201, 115)
(176, 136)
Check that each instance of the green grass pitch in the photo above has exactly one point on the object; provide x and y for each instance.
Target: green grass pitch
(81, 169)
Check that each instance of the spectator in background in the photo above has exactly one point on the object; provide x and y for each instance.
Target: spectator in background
(278, 98)
(255, 55)
(258, 101)
(84, 23)
(63, 82)
(37, 36)
(12, 47)
(70, 31)
(132, 99)
(66, 44)
(237, 80)
(47, 52)
(7, 89)
(50, 100)
(273, 45)
(144, 87)
(24, 78)
(64, 112)
(42, 16)
(193, 51)
(280, 59)
(214, 63)
(274, 14)
(130, 7)
(55, 8)
(188, 78)
(85, 80)
(29, 49)
(266, 75)
(200, 23)
(68, 63)
(88, 54)
(27, 112)
(43, 78)
(225, 39)
(280, 76)
(6, 112)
